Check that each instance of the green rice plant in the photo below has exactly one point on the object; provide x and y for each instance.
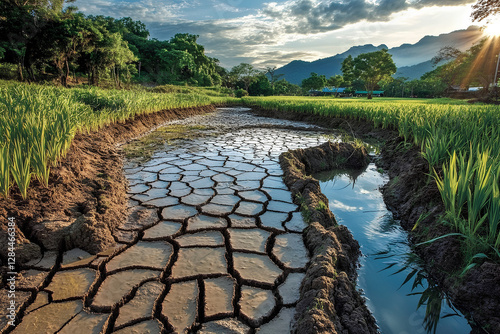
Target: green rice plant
(494, 213)
(4, 170)
(20, 165)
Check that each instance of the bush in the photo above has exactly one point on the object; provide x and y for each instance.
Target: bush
(240, 93)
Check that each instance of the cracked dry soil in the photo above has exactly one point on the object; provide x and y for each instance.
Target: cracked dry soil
(212, 242)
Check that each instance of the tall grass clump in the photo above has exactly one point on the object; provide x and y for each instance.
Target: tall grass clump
(461, 143)
(38, 123)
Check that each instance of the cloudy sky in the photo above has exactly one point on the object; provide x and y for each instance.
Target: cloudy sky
(274, 33)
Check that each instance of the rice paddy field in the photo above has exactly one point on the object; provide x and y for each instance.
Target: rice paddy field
(38, 122)
(461, 143)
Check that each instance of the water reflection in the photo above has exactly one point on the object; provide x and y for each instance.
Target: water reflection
(399, 292)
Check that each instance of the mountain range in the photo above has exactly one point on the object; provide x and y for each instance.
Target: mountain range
(412, 60)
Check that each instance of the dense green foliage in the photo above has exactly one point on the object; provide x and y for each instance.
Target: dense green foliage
(370, 67)
(461, 143)
(45, 41)
(38, 123)
(314, 82)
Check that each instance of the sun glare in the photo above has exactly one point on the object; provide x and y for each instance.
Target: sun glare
(493, 28)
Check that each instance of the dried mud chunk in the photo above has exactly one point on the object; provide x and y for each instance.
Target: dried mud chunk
(42, 298)
(217, 209)
(279, 324)
(279, 194)
(162, 202)
(253, 240)
(141, 306)
(251, 176)
(289, 290)
(240, 221)
(162, 229)
(180, 305)
(201, 222)
(115, 287)
(179, 212)
(145, 327)
(199, 261)
(140, 218)
(219, 294)
(281, 206)
(125, 237)
(149, 254)
(76, 257)
(253, 195)
(204, 238)
(230, 200)
(71, 283)
(297, 223)
(249, 208)
(225, 326)
(30, 279)
(85, 323)
(256, 304)
(195, 199)
(273, 219)
(256, 268)
(49, 319)
(290, 250)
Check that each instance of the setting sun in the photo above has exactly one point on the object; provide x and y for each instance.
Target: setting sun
(493, 27)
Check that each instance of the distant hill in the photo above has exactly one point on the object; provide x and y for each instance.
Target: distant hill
(412, 60)
(415, 71)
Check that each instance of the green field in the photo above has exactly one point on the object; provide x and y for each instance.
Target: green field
(38, 123)
(460, 141)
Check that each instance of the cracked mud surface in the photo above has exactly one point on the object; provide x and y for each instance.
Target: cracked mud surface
(212, 244)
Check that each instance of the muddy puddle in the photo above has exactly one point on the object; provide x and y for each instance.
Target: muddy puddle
(389, 275)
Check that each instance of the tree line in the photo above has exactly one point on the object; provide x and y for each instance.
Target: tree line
(44, 39)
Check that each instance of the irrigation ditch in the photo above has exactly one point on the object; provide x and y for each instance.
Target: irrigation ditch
(89, 187)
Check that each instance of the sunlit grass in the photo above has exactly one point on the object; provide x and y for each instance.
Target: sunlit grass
(461, 142)
(38, 123)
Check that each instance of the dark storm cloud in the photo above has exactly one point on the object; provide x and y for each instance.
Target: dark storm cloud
(309, 16)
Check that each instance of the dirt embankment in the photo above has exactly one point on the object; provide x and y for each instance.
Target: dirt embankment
(329, 301)
(86, 196)
(411, 193)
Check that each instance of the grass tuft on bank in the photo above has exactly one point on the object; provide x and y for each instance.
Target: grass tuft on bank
(39, 122)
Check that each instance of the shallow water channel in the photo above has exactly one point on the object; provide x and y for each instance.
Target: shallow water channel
(355, 200)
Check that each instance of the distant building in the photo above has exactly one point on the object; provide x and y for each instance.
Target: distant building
(328, 91)
(377, 93)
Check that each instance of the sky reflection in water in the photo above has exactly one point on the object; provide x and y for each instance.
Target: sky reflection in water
(356, 202)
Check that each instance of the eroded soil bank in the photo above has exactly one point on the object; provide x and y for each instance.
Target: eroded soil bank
(410, 193)
(86, 196)
(329, 302)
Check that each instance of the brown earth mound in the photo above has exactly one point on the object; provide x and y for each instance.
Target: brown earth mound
(329, 301)
(86, 196)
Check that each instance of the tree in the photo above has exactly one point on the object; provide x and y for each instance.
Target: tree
(20, 23)
(271, 72)
(283, 87)
(336, 81)
(371, 68)
(261, 86)
(244, 72)
(314, 82)
(348, 70)
(484, 9)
